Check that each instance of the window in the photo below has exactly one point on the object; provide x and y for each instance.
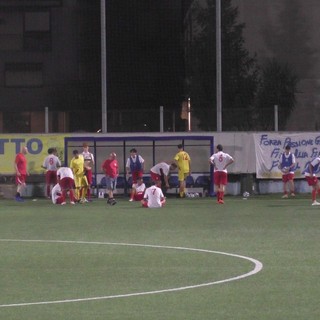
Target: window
(17, 122)
(23, 75)
(37, 31)
(29, 31)
(37, 21)
(11, 31)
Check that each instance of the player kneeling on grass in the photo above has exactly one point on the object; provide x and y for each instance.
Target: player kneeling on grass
(56, 195)
(66, 184)
(153, 197)
(138, 190)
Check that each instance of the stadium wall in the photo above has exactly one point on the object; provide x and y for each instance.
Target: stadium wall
(241, 145)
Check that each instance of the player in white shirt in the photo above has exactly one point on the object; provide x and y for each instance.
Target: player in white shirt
(153, 197)
(312, 180)
(51, 163)
(220, 161)
(66, 181)
(286, 165)
(138, 190)
(162, 169)
(88, 165)
(134, 165)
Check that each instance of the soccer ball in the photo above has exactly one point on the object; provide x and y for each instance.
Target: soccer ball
(246, 194)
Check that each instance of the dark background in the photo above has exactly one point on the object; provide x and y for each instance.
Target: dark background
(145, 63)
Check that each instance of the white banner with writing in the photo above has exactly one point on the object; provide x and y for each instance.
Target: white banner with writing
(270, 146)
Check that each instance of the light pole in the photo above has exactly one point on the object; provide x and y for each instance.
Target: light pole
(218, 65)
(103, 67)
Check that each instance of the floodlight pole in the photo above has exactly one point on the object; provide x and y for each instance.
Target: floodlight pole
(189, 114)
(103, 67)
(161, 118)
(276, 118)
(218, 65)
(46, 119)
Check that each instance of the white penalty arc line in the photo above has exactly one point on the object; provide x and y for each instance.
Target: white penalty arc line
(257, 268)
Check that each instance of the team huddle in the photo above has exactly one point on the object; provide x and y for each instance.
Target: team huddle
(74, 182)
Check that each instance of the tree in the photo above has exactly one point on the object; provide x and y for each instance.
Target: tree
(289, 39)
(278, 86)
(239, 70)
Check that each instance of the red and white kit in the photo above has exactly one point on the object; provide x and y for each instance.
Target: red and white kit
(89, 161)
(56, 194)
(139, 191)
(51, 163)
(155, 171)
(220, 160)
(66, 181)
(153, 198)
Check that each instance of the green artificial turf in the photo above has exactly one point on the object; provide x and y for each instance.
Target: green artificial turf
(102, 254)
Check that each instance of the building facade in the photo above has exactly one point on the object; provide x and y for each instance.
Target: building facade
(46, 61)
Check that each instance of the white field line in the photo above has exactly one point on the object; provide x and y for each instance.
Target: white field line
(257, 267)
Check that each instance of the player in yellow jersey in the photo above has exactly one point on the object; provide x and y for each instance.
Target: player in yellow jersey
(183, 161)
(80, 179)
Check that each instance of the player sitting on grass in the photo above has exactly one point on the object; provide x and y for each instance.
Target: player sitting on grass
(153, 197)
(138, 190)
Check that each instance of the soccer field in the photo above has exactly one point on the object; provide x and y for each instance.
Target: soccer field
(192, 260)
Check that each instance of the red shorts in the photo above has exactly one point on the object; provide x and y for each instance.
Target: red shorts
(287, 177)
(220, 178)
(155, 177)
(60, 200)
(136, 175)
(138, 196)
(51, 177)
(89, 176)
(21, 179)
(67, 183)
(312, 181)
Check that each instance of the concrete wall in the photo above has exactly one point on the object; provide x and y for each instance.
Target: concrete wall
(238, 144)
